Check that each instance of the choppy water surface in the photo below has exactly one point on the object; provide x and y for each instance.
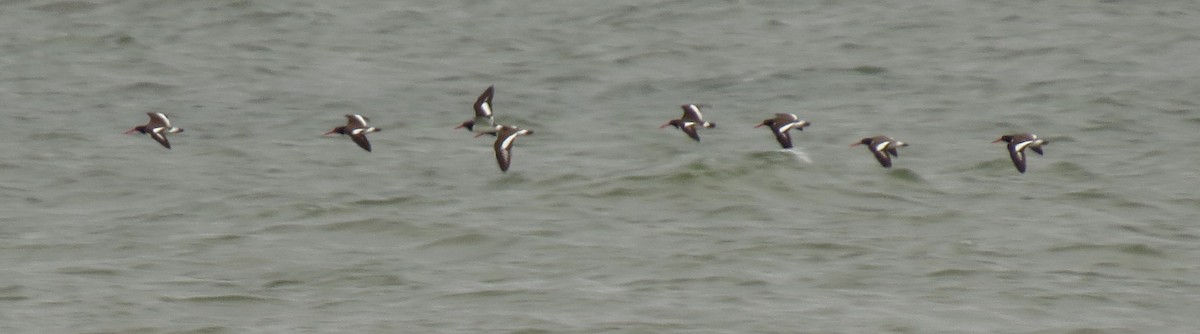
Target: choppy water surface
(254, 222)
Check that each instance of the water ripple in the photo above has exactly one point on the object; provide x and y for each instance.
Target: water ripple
(1131, 249)
(66, 7)
(221, 299)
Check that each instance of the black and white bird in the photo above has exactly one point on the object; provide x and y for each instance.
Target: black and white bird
(356, 127)
(158, 128)
(689, 122)
(1017, 143)
(781, 124)
(483, 122)
(883, 147)
(505, 137)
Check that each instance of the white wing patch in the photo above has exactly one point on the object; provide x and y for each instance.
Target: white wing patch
(507, 143)
(789, 126)
(363, 130)
(162, 118)
(360, 119)
(695, 111)
(1020, 147)
(882, 146)
(486, 107)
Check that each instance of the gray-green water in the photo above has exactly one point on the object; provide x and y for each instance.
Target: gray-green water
(255, 223)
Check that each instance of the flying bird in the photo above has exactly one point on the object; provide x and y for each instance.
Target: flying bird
(689, 121)
(1017, 143)
(883, 147)
(483, 114)
(781, 124)
(158, 128)
(505, 137)
(356, 127)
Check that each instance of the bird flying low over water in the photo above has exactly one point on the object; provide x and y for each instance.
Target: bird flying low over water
(1017, 143)
(781, 124)
(158, 128)
(505, 137)
(483, 122)
(356, 127)
(883, 147)
(689, 121)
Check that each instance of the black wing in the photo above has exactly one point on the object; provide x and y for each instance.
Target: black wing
(483, 105)
(503, 148)
(160, 137)
(784, 138)
(361, 140)
(690, 130)
(883, 158)
(1018, 158)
